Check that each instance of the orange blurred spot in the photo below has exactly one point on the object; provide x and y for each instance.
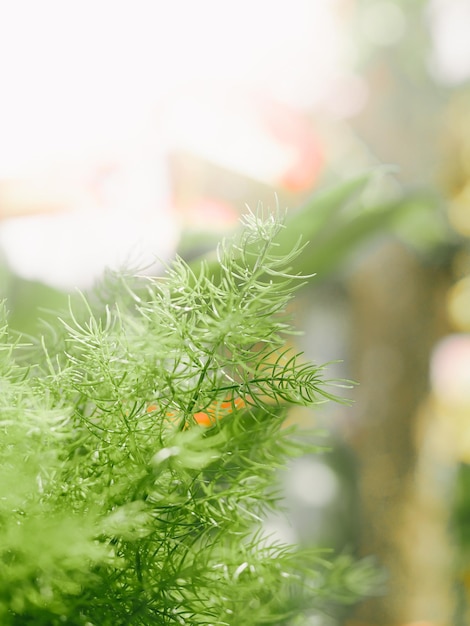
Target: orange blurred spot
(238, 403)
(214, 412)
(203, 419)
(217, 411)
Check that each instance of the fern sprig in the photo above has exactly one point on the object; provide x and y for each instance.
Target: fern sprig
(144, 439)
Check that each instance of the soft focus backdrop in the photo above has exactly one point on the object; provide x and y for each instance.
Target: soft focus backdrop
(132, 131)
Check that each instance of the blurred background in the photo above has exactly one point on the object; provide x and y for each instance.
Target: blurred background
(132, 131)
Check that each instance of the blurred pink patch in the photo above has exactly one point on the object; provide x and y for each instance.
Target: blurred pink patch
(293, 130)
(254, 135)
(450, 370)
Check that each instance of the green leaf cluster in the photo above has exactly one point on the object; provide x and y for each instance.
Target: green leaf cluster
(117, 504)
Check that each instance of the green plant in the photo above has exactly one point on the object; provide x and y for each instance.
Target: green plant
(139, 441)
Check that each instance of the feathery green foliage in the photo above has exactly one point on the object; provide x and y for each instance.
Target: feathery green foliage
(138, 449)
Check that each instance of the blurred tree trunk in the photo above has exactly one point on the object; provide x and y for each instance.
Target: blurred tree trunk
(397, 317)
